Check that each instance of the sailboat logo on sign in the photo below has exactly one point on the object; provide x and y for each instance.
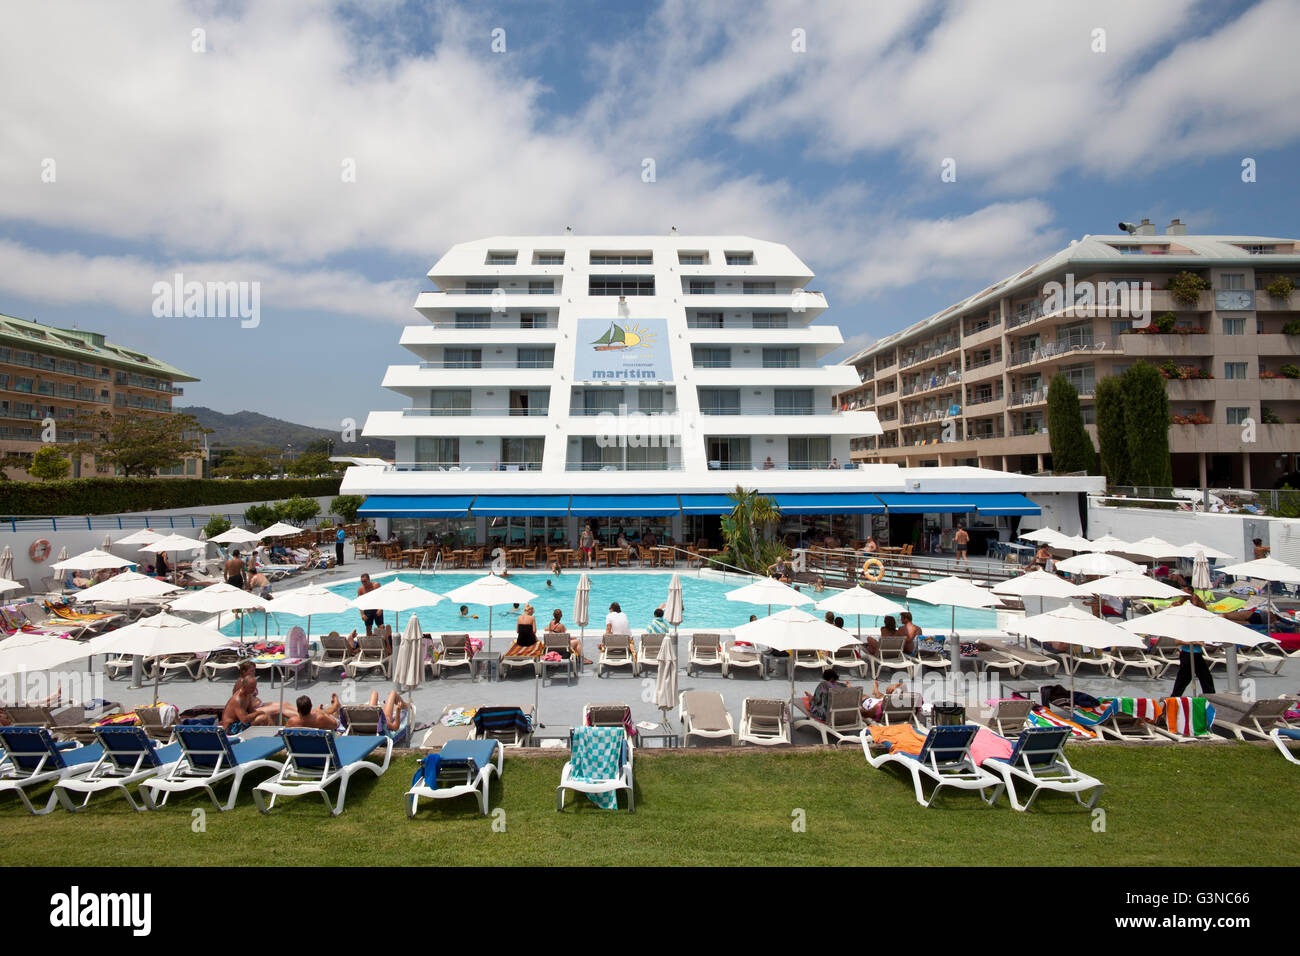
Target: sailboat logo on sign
(622, 351)
(620, 337)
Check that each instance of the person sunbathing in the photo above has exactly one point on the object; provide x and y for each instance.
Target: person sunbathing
(889, 630)
(557, 627)
(319, 718)
(873, 707)
(821, 696)
(394, 709)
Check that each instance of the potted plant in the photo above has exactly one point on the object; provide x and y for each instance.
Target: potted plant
(1291, 328)
(1268, 417)
(1186, 287)
(1290, 371)
(1280, 288)
(1164, 323)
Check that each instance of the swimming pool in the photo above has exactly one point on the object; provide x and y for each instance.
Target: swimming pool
(638, 593)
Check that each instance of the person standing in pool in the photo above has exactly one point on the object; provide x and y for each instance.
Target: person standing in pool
(370, 617)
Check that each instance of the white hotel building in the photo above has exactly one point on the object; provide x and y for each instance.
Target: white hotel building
(633, 380)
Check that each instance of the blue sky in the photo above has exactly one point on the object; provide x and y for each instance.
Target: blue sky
(224, 164)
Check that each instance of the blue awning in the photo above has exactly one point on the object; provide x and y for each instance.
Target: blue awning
(823, 504)
(416, 506)
(919, 503)
(706, 504)
(1005, 505)
(505, 506)
(597, 506)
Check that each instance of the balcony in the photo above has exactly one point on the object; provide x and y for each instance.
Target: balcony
(1061, 347)
(474, 412)
(930, 351)
(1031, 397)
(1168, 345)
(463, 465)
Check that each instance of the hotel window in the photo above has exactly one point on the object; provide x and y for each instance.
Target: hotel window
(596, 458)
(700, 287)
(548, 258)
(526, 453)
(760, 288)
(1234, 326)
(541, 287)
(650, 401)
(462, 358)
(536, 358)
(809, 452)
(597, 401)
(793, 401)
(473, 320)
(771, 320)
(481, 286)
(739, 258)
(621, 259)
(706, 320)
(693, 258)
(1234, 369)
(728, 453)
(437, 451)
(647, 458)
(503, 258)
(1233, 280)
(529, 401)
(621, 285)
(1238, 415)
(781, 358)
(533, 320)
(719, 401)
(705, 357)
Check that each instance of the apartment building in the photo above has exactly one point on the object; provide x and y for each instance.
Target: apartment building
(51, 373)
(968, 386)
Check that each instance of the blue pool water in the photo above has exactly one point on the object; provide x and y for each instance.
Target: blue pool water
(638, 593)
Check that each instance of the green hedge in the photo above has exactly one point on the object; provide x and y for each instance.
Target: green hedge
(98, 496)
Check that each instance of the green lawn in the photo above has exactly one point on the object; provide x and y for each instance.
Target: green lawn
(1174, 805)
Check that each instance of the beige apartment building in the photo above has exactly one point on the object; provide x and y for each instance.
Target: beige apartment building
(51, 373)
(968, 386)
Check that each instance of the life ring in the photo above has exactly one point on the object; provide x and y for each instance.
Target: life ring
(873, 565)
(39, 551)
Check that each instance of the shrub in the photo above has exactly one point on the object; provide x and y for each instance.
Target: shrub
(217, 524)
(97, 496)
(347, 506)
(260, 516)
(1290, 371)
(48, 464)
(1164, 323)
(1268, 417)
(1291, 328)
(1186, 287)
(297, 510)
(1281, 287)
(1169, 369)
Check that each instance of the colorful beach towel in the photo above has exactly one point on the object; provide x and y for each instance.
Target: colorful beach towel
(532, 650)
(1042, 717)
(1189, 716)
(597, 757)
(1143, 708)
(1091, 716)
(900, 738)
(458, 717)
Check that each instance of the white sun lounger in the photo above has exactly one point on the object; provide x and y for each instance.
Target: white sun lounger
(31, 759)
(944, 759)
(582, 739)
(472, 762)
(1038, 759)
(764, 721)
(704, 714)
(317, 760)
(129, 757)
(209, 758)
(1284, 738)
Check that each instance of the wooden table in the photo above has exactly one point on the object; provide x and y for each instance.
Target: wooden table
(611, 556)
(664, 555)
(516, 556)
(460, 557)
(411, 556)
(564, 556)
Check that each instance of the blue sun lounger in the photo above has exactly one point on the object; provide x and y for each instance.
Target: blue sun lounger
(945, 759)
(32, 758)
(209, 758)
(1038, 760)
(461, 767)
(129, 757)
(317, 760)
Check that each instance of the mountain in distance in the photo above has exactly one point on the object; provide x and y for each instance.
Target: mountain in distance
(253, 429)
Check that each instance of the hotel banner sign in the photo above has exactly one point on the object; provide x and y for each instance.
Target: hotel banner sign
(622, 350)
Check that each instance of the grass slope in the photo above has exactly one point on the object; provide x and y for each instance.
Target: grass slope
(1164, 806)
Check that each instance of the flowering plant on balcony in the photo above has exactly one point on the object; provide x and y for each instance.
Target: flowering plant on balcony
(1197, 419)
(1269, 375)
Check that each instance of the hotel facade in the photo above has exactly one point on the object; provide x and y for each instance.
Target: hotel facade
(51, 373)
(629, 381)
(968, 386)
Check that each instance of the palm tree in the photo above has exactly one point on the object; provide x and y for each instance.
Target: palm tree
(746, 526)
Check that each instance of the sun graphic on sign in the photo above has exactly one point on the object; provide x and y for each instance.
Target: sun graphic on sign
(623, 337)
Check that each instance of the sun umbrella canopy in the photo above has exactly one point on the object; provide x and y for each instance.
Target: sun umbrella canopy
(235, 536)
(219, 597)
(582, 601)
(1098, 563)
(666, 681)
(1153, 549)
(1071, 543)
(143, 536)
(309, 600)
(1195, 548)
(1195, 625)
(173, 542)
(1201, 573)
(127, 586)
(7, 562)
(1038, 584)
(24, 653)
(955, 592)
(1042, 536)
(161, 634)
(490, 590)
(794, 630)
(859, 600)
(408, 668)
(279, 530)
(92, 560)
(1266, 569)
(1070, 625)
(1107, 543)
(1130, 585)
(769, 591)
(7, 585)
(396, 595)
(673, 609)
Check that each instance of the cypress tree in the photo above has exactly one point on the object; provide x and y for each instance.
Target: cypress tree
(1112, 439)
(1146, 426)
(1071, 444)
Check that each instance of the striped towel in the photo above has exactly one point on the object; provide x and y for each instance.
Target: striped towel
(1143, 708)
(532, 650)
(1089, 716)
(1042, 717)
(1189, 716)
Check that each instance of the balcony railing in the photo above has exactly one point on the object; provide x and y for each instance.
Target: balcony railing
(1053, 349)
(1031, 397)
(623, 466)
(926, 352)
(455, 364)
(473, 412)
(465, 466)
(1025, 314)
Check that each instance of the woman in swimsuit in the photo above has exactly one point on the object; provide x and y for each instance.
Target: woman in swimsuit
(526, 629)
